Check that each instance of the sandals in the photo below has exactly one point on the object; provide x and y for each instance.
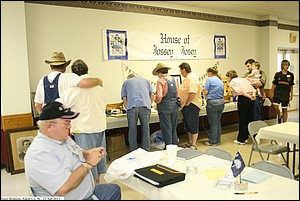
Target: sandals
(193, 147)
(187, 145)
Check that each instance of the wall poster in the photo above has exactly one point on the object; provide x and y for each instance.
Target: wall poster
(117, 45)
(220, 47)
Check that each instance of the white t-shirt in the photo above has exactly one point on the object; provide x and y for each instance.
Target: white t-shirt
(65, 81)
(90, 103)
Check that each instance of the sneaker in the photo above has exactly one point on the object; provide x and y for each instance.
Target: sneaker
(209, 144)
(279, 119)
(239, 143)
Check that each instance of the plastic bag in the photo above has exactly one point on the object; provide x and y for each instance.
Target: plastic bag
(157, 141)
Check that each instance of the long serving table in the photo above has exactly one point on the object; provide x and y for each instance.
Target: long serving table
(200, 186)
(121, 121)
(287, 132)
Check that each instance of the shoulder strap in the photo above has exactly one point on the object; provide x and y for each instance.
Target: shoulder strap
(51, 89)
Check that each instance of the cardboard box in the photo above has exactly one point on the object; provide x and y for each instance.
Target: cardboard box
(115, 142)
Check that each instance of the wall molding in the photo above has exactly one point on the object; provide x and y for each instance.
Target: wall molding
(16, 121)
(126, 7)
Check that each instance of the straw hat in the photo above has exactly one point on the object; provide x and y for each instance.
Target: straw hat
(158, 67)
(58, 58)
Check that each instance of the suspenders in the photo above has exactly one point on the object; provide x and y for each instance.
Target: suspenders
(51, 89)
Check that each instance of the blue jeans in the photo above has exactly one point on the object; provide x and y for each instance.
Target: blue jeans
(258, 109)
(107, 192)
(168, 119)
(93, 140)
(143, 115)
(214, 109)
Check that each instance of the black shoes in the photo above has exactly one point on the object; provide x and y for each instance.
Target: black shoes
(279, 118)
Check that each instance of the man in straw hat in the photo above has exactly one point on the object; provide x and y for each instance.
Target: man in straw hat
(166, 100)
(56, 166)
(51, 86)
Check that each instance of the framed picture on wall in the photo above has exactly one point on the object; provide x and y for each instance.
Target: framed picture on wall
(220, 47)
(34, 110)
(117, 45)
(18, 141)
(177, 79)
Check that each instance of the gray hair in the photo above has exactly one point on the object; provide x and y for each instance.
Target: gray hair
(40, 123)
(131, 75)
(79, 67)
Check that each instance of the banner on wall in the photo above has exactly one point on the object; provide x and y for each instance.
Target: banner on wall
(158, 46)
(220, 47)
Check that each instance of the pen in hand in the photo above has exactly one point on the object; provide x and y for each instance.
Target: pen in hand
(242, 193)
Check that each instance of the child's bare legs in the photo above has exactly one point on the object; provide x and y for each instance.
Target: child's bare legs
(258, 92)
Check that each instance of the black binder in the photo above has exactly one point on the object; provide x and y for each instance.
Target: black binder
(159, 175)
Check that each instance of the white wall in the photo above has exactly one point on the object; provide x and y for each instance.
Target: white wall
(15, 96)
(77, 32)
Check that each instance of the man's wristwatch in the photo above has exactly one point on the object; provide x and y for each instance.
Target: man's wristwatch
(87, 166)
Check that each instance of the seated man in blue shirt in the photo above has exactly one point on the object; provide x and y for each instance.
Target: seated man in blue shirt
(56, 166)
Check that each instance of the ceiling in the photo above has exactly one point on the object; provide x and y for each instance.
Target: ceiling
(283, 10)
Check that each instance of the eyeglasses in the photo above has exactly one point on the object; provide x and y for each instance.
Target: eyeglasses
(65, 124)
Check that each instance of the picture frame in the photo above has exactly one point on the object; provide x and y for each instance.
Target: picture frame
(34, 110)
(177, 79)
(220, 47)
(17, 139)
(117, 45)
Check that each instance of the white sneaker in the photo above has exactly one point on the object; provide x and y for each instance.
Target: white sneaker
(239, 143)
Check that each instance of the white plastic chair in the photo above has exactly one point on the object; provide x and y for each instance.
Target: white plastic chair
(274, 169)
(268, 148)
(219, 153)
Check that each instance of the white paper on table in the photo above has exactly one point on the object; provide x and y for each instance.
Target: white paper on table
(124, 166)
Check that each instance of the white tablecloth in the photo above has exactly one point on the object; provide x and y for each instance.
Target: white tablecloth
(284, 132)
(199, 186)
